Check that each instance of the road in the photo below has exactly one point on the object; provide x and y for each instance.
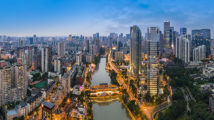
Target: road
(145, 109)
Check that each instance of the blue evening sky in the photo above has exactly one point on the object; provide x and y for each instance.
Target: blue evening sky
(63, 17)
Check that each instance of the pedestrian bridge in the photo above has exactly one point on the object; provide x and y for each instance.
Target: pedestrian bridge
(104, 89)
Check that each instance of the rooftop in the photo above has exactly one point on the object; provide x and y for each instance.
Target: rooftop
(48, 105)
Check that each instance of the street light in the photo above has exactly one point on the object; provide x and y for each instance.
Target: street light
(68, 100)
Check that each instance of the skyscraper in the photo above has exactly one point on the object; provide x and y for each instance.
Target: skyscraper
(153, 40)
(87, 46)
(46, 58)
(201, 37)
(97, 43)
(166, 37)
(135, 50)
(61, 49)
(183, 48)
(183, 31)
(21, 82)
(199, 53)
(13, 82)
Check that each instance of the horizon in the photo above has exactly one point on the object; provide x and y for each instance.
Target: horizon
(65, 17)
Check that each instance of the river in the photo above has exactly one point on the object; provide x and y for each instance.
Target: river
(108, 110)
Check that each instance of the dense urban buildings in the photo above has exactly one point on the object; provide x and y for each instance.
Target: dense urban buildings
(13, 82)
(165, 74)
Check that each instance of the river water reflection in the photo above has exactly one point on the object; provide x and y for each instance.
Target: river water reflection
(109, 110)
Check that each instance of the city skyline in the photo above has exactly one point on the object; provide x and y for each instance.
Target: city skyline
(64, 17)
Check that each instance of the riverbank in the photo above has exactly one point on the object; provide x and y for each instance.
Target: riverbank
(99, 107)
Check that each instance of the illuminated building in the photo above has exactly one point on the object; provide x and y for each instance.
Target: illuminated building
(166, 44)
(183, 48)
(47, 110)
(135, 51)
(152, 40)
(13, 82)
(46, 58)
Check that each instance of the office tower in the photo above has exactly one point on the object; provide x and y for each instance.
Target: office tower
(183, 31)
(31, 41)
(34, 39)
(161, 43)
(46, 58)
(135, 50)
(201, 37)
(199, 53)
(96, 43)
(166, 45)
(87, 46)
(152, 41)
(183, 48)
(171, 30)
(61, 49)
(173, 37)
(119, 45)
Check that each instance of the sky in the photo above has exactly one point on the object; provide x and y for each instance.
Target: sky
(85, 17)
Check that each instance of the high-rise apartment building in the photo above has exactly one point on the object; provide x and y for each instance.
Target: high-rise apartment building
(152, 40)
(135, 50)
(199, 53)
(13, 82)
(46, 58)
(20, 80)
(183, 48)
(61, 49)
(201, 37)
(57, 65)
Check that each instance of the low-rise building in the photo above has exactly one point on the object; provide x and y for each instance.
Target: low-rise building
(208, 72)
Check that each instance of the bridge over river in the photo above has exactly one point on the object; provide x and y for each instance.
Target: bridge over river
(106, 103)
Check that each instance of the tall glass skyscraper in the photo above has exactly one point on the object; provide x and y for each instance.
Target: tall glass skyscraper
(183, 31)
(201, 37)
(152, 40)
(135, 50)
(166, 36)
